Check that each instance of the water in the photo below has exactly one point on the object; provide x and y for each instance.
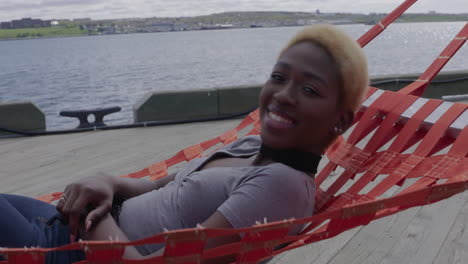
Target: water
(99, 71)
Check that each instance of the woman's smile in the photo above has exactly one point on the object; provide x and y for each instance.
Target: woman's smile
(278, 119)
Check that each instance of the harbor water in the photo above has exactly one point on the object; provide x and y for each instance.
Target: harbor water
(117, 70)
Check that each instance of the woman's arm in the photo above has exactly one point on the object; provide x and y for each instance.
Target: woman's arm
(96, 195)
(108, 229)
(126, 188)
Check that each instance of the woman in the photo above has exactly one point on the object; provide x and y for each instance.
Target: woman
(316, 85)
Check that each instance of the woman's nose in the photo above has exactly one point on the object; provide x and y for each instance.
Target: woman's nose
(286, 95)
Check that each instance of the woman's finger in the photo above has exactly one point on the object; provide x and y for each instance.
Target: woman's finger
(60, 204)
(75, 212)
(63, 198)
(96, 215)
(70, 208)
(68, 201)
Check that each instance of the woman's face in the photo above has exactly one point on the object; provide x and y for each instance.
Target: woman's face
(299, 102)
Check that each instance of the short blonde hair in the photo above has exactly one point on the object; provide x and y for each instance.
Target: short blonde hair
(348, 56)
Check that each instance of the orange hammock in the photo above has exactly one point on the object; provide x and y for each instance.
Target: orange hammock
(405, 134)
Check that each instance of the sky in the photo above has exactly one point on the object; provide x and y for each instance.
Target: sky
(106, 9)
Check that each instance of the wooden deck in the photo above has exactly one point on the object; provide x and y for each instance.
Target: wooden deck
(39, 165)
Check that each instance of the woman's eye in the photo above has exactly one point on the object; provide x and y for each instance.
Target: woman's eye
(277, 77)
(310, 90)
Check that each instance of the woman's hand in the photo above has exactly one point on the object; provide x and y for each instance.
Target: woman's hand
(96, 194)
(93, 194)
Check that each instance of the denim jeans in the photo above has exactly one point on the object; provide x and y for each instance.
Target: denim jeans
(27, 222)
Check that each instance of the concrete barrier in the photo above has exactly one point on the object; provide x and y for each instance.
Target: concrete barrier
(178, 105)
(455, 98)
(194, 104)
(21, 116)
(438, 88)
(231, 100)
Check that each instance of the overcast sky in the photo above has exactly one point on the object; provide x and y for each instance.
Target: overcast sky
(104, 9)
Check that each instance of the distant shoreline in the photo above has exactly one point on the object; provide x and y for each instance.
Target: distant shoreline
(46, 37)
(229, 20)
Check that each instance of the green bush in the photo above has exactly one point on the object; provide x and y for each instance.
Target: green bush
(41, 32)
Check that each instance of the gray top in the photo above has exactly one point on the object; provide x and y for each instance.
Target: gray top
(243, 195)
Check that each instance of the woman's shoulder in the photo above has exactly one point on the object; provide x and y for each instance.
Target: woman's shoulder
(279, 176)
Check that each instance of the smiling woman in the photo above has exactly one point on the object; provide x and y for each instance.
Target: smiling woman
(316, 86)
(307, 102)
(299, 104)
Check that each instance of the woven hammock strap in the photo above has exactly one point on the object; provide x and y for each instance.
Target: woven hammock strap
(418, 87)
(384, 23)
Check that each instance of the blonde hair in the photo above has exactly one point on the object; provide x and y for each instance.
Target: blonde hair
(348, 56)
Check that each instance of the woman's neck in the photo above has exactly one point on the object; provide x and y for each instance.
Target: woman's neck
(297, 159)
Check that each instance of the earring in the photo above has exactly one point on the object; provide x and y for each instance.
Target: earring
(337, 130)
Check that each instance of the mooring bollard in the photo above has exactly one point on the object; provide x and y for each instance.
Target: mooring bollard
(98, 114)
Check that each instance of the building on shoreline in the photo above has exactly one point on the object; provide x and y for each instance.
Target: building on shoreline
(25, 23)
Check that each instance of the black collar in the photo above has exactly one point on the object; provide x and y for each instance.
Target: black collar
(296, 159)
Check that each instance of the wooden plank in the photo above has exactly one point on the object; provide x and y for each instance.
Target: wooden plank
(426, 233)
(372, 242)
(317, 253)
(38, 165)
(454, 250)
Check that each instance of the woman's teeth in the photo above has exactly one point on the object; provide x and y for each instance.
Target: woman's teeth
(279, 118)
